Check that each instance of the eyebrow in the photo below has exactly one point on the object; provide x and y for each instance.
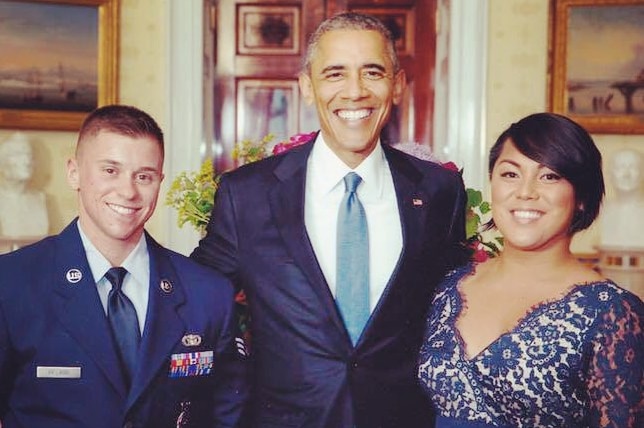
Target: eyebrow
(342, 67)
(142, 169)
(516, 164)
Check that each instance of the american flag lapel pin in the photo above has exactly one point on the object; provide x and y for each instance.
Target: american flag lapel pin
(417, 202)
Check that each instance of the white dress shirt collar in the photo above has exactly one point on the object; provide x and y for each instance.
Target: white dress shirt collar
(137, 262)
(328, 170)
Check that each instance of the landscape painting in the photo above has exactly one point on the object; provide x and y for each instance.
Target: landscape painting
(598, 64)
(605, 58)
(57, 61)
(50, 56)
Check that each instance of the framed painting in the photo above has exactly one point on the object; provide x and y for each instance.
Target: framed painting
(268, 30)
(60, 61)
(596, 68)
(267, 106)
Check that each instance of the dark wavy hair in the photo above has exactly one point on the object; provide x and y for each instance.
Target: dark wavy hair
(564, 146)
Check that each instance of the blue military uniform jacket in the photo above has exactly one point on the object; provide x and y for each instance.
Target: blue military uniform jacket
(58, 362)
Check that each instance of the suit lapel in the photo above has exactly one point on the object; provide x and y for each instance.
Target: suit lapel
(287, 206)
(164, 325)
(413, 201)
(78, 307)
(412, 205)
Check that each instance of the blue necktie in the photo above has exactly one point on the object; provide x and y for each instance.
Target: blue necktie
(123, 321)
(352, 276)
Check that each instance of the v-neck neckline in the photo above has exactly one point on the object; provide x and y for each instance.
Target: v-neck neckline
(533, 311)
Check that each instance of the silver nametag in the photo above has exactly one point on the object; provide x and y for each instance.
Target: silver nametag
(58, 372)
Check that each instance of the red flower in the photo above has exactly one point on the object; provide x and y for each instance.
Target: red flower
(240, 297)
(479, 255)
(450, 165)
(294, 141)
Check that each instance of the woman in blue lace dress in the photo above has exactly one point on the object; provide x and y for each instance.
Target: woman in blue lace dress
(534, 338)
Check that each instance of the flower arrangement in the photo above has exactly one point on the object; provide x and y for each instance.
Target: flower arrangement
(192, 194)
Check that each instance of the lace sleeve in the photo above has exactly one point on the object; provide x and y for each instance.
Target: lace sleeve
(615, 373)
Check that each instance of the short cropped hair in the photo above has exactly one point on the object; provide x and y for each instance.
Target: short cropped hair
(564, 146)
(350, 21)
(123, 120)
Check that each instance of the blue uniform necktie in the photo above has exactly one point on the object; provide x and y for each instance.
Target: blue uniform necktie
(352, 276)
(123, 321)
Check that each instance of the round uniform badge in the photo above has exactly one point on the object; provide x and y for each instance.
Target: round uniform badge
(73, 276)
(166, 286)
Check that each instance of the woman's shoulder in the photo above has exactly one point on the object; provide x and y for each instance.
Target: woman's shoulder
(606, 295)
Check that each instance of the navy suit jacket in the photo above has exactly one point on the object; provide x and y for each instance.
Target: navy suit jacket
(307, 372)
(51, 316)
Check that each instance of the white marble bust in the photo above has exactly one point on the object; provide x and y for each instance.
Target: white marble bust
(23, 211)
(622, 222)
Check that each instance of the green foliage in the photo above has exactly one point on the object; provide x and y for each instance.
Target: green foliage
(192, 194)
(247, 151)
(477, 212)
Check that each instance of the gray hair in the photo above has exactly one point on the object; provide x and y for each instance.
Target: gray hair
(350, 21)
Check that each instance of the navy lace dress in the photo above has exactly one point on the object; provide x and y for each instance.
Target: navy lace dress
(573, 362)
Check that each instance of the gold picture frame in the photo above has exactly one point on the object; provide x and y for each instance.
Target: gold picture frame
(70, 65)
(593, 77)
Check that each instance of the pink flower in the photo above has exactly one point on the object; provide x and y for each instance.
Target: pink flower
(294, 141)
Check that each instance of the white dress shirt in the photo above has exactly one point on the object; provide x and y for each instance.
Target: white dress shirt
(323, 194)
(136, 284)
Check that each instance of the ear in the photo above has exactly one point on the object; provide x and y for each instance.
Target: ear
(400, 83)
(72, 174)
(306, 88)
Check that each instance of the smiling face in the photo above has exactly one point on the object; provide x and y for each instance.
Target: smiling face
(117, 178)
(353, 85)
(533, 206)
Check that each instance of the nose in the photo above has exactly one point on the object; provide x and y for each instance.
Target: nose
(527, 189)
(354, 87)
(128, 188)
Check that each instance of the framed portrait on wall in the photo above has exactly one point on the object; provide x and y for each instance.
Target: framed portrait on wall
(596, 68)
(60, 61)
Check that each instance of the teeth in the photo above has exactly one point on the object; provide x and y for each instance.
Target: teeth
(527, 214)
(354, 114)
(121, 209)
